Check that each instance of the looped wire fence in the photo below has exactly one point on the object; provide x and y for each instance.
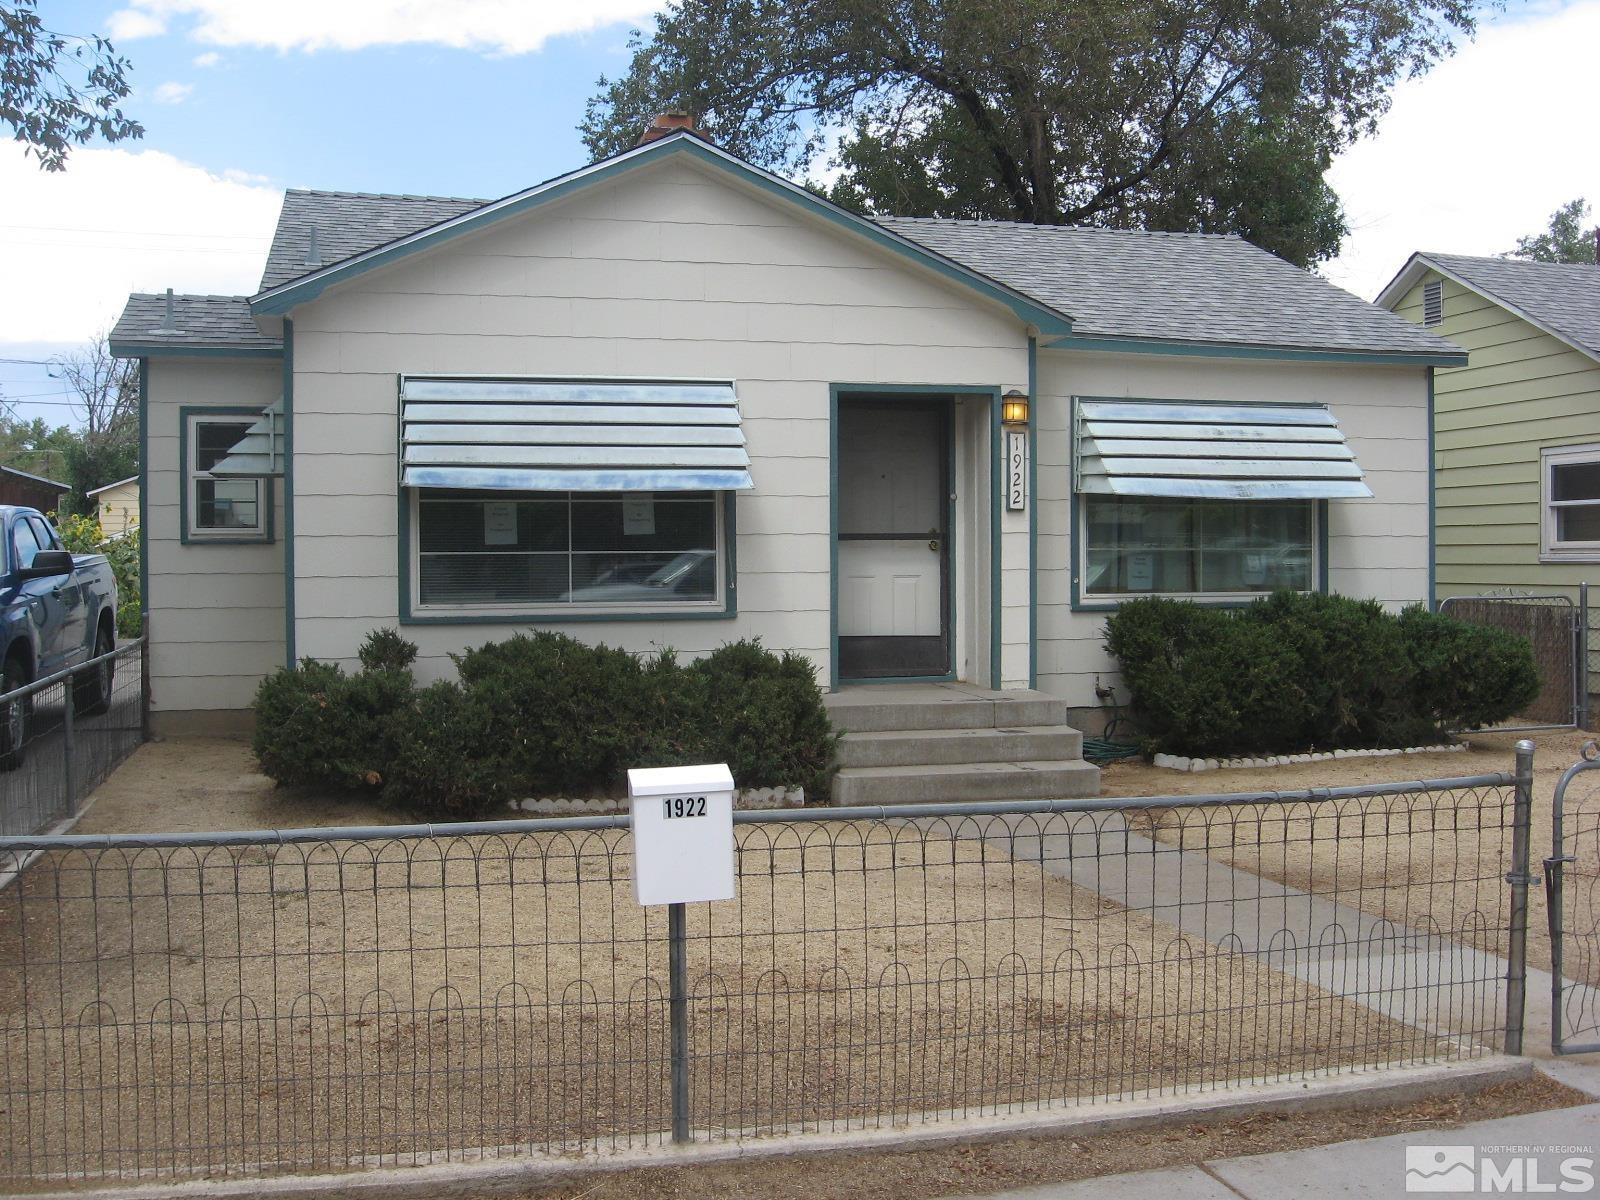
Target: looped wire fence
(317, 1000)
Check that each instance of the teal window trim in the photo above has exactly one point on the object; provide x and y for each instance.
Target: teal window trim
(728, 610)
(1201, 349)
(186, 413)
(286, 296)
(289, 638)
(913, 391)
(1033, 511)
(997, 493)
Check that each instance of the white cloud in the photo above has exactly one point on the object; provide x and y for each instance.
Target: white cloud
(209, 59)
(129, 23)
(1478, 152)
(76, 242)
(172, 92)
(494, 26)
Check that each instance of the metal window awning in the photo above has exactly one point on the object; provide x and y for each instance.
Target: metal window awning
(575, 435)
(259, 453)
(1213, 451)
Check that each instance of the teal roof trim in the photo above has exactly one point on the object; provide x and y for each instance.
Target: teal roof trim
(285, 297)
(178, 350)
(1273, 353)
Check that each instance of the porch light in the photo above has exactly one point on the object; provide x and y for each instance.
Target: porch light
(1014, 408)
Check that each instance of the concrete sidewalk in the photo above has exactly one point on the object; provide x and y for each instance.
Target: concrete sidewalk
(1520, 1154)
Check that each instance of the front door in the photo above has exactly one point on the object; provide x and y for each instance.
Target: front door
(894, 544)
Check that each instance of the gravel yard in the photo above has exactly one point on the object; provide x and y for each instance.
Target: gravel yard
(313, 1006)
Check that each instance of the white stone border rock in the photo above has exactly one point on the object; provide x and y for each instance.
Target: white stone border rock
(1177, 762)
(747, 798)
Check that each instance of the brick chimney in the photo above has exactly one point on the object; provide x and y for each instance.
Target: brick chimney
(664, 123)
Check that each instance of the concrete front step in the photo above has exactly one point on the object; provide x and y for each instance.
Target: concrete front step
(922, 747)
(1040, 779)
(883, 707)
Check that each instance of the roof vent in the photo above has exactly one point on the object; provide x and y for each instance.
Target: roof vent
(169, 317)
(662, 124)
(1433, 303)
(313, 255)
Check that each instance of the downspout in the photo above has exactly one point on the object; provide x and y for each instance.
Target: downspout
(288, 493)
(1033, 510)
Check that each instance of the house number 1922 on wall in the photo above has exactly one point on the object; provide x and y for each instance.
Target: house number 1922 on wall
(1016, 470)
(674, 807)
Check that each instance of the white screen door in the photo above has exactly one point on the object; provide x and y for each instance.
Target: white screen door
(893, 543)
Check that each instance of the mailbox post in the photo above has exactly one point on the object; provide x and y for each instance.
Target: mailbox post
(682, 823)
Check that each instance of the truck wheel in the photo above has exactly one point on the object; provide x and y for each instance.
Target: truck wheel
(16, 716)
(91, 691)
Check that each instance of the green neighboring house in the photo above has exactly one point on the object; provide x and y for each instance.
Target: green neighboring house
(1517, 430)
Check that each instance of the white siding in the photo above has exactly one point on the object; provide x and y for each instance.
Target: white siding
(1376, 548)
(216, 612)
(668, 271)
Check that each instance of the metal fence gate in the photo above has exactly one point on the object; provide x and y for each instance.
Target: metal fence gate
(1556, 628)
(1572, 899)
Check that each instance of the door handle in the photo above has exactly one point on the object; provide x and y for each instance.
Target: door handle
(933, 544)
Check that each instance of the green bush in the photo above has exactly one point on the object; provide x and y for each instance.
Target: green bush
(1466, 676)
(317, 726)
(386, 650)
(762, 714)
(447, 760)
(540, 714)
(1293, 672)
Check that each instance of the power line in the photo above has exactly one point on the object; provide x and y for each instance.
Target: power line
(227, 237)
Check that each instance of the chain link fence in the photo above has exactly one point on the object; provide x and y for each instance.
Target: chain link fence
(62, 736)
(241, 1004)
(1556, 629)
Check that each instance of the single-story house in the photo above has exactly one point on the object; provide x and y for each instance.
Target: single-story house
(32, 491)
(116, 505)
(1516, 429)
(670, 399)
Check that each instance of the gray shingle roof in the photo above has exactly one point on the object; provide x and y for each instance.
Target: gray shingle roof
(1563, 298)
(1170, 286)
(347, 223)
(1112, 283)
(218, 322)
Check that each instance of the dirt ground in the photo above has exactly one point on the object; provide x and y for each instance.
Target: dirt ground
(307, 1007)
(1450, 856)
(1028, 1162)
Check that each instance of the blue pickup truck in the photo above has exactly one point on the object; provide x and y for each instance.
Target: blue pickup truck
(56, 610)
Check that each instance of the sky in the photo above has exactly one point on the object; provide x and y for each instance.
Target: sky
(242, 98)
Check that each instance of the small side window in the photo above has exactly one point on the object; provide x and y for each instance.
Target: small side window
(1570, 487)
(221, 509)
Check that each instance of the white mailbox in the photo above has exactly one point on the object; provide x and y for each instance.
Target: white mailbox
(682, 833)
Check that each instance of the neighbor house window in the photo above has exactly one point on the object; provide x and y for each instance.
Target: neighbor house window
(221, 509)
(1136, 545)
(566, 552)
(1570, 490)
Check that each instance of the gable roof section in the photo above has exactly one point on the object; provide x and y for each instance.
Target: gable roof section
(1563, 299)
(218, 325)
(347, 224)
(282, 297)
(1137, 290)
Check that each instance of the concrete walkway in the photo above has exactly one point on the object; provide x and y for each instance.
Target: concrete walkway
(1525, 1154)
(1422, 978)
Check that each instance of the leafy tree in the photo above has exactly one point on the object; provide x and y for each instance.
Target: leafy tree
(57, 89)
(34, 446)
(1209, 115)
(105, 401)
(1566, 241)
